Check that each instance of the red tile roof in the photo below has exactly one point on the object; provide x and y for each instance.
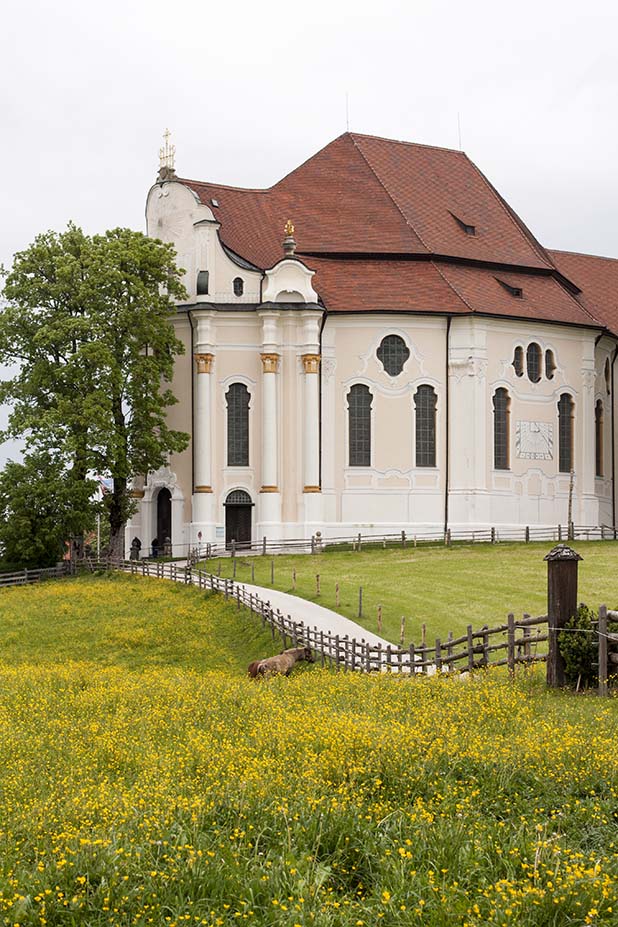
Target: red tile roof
(598, 279)
(378, 221)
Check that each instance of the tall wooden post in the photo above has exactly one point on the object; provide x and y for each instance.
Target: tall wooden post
(561, 604)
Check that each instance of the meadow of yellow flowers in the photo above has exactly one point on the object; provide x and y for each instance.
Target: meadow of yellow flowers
(145, 780)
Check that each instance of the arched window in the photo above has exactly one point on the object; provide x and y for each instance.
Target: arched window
(533, 362)
(518, 361)
(239, 286)
(359, 430)
(237, 398)
(598, 437)
(202, 283)
(550, 364)
(425, 400)
(502, 414)
(565, 433)
(393, 353)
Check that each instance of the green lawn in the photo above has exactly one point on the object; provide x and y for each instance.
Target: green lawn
(444, 588)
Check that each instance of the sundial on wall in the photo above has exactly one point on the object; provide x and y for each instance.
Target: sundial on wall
(534, 440)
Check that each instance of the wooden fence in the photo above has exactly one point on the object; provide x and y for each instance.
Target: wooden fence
(22, 577)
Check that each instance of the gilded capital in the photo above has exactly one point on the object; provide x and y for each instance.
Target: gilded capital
(311, 363)
(270, 363)
(204, 362)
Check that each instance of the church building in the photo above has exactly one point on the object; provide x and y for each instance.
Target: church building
(378, 343)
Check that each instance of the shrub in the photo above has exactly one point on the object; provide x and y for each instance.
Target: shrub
(578, 647)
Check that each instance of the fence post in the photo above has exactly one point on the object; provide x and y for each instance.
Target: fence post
(561, 605)
(527, 652)
(402, 630)
(527, 534)
(403, 539)
(263, 546)
(559, 532)
(337, 651)
(493, 535)
(317, 584)
(470, 648)
(603, 690)
(379, 619)
(313, 544)
(294, 580)
(511, 643)
(438, 655)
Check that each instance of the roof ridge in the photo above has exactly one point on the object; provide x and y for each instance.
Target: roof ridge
(597, 257)
(401, 141)
(389, 194)
(452, 286)
(222, 186)
(511, 214)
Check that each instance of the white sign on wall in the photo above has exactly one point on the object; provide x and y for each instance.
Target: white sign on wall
(534, 440)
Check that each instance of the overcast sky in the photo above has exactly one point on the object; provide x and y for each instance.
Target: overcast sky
(251, 89)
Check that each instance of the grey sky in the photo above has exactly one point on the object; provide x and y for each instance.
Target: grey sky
(250, 90)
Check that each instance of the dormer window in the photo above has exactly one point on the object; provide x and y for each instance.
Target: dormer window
(464, 226)
(214, 202)
(239, 286)
(202, 283)
(515, 291)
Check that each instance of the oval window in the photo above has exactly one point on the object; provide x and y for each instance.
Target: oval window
(393, 353)
(239, 286)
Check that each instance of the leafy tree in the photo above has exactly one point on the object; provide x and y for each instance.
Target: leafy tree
(41, 508)
(88, 322)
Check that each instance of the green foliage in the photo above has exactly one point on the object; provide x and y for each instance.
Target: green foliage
(578, 647)
(41, 508)
(87, 321)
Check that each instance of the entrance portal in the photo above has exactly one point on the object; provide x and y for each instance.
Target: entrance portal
(238, 507)
(164, 518)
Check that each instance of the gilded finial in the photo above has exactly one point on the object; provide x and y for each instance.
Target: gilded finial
(289, 242)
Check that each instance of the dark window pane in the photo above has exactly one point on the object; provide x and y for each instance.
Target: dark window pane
(550, 364)
(238, 425)
(202, 283)
(518, 361)
(533, 360)
(425, 401)
(359, 412)
(239, 286)
(501, 429)
(565, 434)
(393, 353)
(598, 435)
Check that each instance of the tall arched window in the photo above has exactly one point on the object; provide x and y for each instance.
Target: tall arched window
(425, 400)
(359, 430)
(533, 362)
(550, 364)
(598, 437)
(608, 376)
(237, 398)
(565, 433)
(502, 414)
(393, 353)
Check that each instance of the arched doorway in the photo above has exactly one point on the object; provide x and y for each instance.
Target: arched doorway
(238, 507)
(164, 517)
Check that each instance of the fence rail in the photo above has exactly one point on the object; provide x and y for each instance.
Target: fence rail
(359, 541)
(23, 577)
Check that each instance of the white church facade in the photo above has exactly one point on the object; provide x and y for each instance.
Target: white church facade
(378, 343)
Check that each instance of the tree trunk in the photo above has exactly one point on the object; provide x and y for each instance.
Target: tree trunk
(117, 519)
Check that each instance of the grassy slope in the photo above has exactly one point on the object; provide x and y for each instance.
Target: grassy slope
(446, 589)
(131, 623)
(141, 786)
